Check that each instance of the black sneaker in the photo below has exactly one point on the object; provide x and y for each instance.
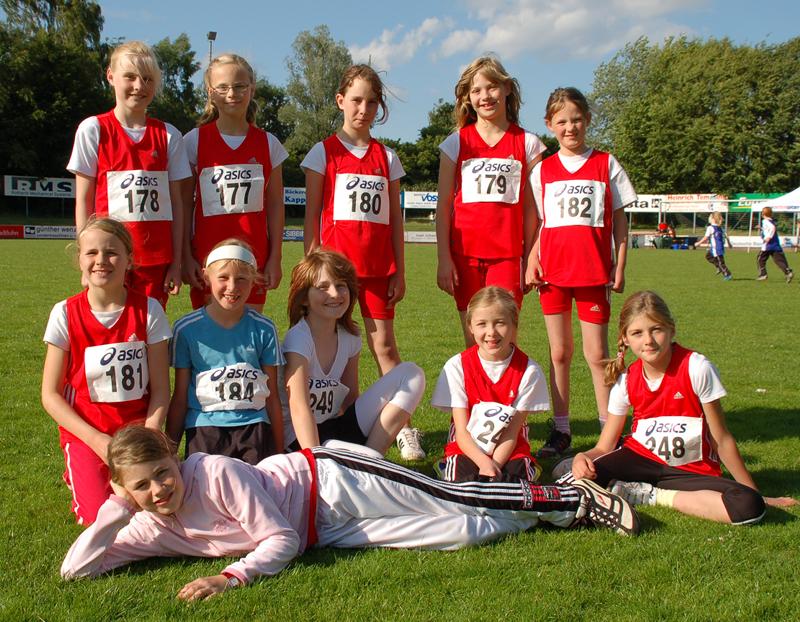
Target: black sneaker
(557, 444)
(604, 509)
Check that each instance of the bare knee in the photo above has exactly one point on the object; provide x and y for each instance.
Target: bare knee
(561, 355)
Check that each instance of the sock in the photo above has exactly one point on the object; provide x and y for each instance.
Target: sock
(665, 497)
(561, 423)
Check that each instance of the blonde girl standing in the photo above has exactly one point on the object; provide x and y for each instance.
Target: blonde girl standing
(129, 166)
(353, 206)
(238, 190)
(106, 363)
(485, 221)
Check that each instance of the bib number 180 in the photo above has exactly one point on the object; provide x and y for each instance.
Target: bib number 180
(367, 202)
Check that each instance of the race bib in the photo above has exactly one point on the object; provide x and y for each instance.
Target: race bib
(361, 197)
(116, 372)
(490, 180)
(487, 422)
(139, 196)
(232, 189)
(576, 202)
(676, 440)
(326, 397)
(233, 387)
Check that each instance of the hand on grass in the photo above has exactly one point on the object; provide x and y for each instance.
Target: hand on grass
(204, 587)
(781, 502)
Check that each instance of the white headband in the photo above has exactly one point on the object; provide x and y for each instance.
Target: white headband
(231, 251)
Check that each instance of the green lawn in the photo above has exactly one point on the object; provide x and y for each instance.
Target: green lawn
(679, 568)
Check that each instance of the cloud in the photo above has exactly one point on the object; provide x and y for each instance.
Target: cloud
(393, 46)
(564, 29)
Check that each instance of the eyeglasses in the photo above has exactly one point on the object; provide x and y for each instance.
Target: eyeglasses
(237, 89)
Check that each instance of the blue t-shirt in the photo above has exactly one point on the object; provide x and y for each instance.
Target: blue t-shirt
(227, 386)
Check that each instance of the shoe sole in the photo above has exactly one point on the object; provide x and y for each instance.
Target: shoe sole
(608, 510)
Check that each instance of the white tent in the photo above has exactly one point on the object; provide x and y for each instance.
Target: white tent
(787, 203)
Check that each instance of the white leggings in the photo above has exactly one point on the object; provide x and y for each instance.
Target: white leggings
(402, 386)
(365, 502)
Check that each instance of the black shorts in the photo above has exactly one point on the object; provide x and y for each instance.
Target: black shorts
(463, 469)
(343, 428)
(744, 505)
(250, 443)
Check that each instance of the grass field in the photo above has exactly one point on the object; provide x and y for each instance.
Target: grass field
(679, 568)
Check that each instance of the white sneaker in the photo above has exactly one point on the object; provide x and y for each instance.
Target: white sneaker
(408, 442)
(635, 493)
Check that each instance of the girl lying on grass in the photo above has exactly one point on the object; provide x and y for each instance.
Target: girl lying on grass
(215, 506)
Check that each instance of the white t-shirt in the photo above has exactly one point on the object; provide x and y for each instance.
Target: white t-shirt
(299, 340)
(277, 152)
(767, 232)
(87, 139)
(622, 191)
(704, 377)
(451, 146)
(57, 334)
(316, 161)
(451, 393)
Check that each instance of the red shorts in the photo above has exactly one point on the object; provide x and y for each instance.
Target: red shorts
(201, 297)
(87, 477)
(593, 303)
(373, 296)
(149, 280)
(475, 274)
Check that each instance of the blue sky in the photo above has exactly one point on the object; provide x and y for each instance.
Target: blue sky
(424, 45)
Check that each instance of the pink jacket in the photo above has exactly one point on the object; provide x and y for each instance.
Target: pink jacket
(229, 508)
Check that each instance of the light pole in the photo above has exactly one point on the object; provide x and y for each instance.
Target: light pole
(212, 36)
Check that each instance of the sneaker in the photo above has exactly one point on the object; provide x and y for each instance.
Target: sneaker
(789, 276)
(604, 509)
(562, 468)
(635, 493)
(727, 277)
(761, 277)
(408, 442)
(556, 446)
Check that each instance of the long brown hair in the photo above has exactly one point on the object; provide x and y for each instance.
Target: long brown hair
(645, 302)
(368, 74)
(306, 273)
(490, 66)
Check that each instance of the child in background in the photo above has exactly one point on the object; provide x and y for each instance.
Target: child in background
(239, 180)
(322, 348)
(226, 359)
(485, 221)
(106, 363)
(579, 254)
(771, 247)
(489, 389)
(214, 506)
(715, 236)
(353, 206)
(129, 166)
(678, 436)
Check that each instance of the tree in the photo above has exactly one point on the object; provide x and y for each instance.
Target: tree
(699, 116)
(271, 99)
(44, 106)
(315, 70)
(179, 100)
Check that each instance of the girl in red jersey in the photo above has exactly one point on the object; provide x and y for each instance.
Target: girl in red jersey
(489, 389)
(353, 206)
(106, 362)
(485, 221)
(678, 437)
(128, 166)
(239, 180)
(579, 253)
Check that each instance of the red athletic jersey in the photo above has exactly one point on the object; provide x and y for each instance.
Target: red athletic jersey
(119, 365)
(117, 153)
(235, 181)
(576, 238)
(356, 219)
(675, 397)
(489, 229)
(480, 388)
